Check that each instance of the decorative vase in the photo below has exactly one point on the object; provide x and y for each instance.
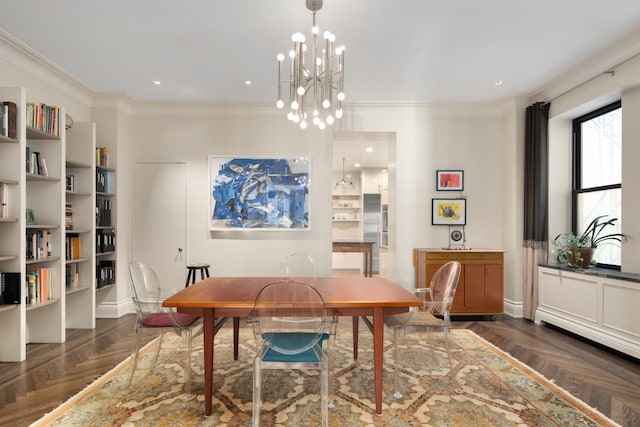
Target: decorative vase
(586, 254)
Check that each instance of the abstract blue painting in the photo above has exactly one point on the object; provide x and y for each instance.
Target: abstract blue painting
(249, 193)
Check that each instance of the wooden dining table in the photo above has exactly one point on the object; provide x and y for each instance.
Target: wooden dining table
(369, 298)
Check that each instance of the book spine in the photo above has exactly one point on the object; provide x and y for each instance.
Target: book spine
(4, 114)
(11, 114)
(4, 209)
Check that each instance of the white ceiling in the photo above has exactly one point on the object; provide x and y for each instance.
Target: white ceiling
(396, 50)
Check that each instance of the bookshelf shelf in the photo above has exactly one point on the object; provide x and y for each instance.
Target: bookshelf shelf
(8, 219)
(78, 193)
(76, 290)
(8, 257)
(7, 140)
(36, 177)
(78, 165)
(76, 261)
(35, 306)
(105, 287)
(42, 260)
(8, 307)
(77, 231)
(33, 133)
(42, 226)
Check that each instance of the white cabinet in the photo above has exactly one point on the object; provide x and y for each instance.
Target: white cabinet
(597, 307)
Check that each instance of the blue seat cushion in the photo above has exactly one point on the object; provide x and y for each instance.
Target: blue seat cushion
(292, 341)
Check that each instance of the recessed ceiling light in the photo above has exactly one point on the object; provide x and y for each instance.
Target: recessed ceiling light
(498, 82)
(369, 150)
(247, 82)
(357, 165)
(157, 82)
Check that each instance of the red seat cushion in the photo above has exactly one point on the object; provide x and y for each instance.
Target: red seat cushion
(163, 320)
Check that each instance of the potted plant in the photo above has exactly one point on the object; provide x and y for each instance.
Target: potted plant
(577, 249)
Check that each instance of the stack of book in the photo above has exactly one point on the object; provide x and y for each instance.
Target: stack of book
(38, 244)
(102, 157)
(10, 284)
(36, 163)
(43, 117)
(68, 216)
(38, 285)
(103, 181)
(71, 280)
(105, 241)
(8, 119)
(72, 247)
(105, 273)
(103, 213)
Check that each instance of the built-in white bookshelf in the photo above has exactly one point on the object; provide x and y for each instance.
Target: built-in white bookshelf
(44, 225)
(12, 229)
(80, 278)
(33, 227)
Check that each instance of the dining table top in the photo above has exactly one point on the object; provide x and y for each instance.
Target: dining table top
(337, 292)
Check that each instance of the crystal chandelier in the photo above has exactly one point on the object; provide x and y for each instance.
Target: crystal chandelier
(315, 93)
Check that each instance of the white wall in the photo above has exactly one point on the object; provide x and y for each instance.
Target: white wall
(191, 133)
(468, 137)
(426, 139)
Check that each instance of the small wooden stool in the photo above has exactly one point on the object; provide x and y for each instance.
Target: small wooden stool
(192, 270)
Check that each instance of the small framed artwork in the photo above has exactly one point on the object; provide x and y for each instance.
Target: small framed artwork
(449, 212)
(449, 180)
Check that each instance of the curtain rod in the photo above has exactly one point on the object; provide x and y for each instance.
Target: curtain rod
(611, 71)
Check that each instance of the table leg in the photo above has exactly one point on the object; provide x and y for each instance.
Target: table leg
(378, 354)
(356, 321)
(236, 336)
(370, 253)
(208, 359)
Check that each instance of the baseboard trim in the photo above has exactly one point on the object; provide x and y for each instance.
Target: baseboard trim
(115, 310)
(514, 308)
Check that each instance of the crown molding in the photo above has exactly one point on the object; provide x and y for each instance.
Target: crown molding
(39, 66)
(606, 60)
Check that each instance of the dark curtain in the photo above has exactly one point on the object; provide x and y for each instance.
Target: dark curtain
(536, 173)
(535, 201)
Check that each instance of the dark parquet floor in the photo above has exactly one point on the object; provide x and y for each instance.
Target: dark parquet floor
(52, 373)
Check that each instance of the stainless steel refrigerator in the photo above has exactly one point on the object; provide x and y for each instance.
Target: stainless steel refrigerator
(372, 226)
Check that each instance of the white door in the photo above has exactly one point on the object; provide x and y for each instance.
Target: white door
(160, 223)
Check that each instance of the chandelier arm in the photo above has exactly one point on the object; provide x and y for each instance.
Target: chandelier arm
(329, 69)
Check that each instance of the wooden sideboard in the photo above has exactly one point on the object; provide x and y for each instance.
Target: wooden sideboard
(481, 285)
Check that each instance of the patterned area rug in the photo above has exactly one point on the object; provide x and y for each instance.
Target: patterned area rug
(497, 389)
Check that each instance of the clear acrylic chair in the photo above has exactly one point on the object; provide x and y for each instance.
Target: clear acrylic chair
(150, 315)
(297, 265)
(292, 329)
(437, 299)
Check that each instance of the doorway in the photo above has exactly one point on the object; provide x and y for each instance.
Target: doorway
(364, 171)
(160, 223)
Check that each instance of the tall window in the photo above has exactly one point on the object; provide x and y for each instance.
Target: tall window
(597, 175)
